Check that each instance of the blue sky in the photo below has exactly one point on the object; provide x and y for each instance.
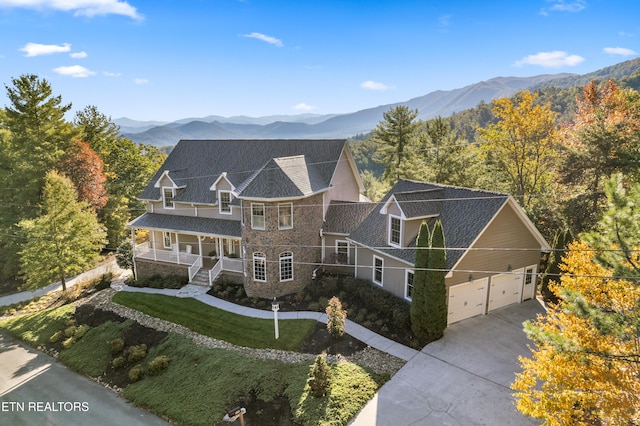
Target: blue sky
(166, 60)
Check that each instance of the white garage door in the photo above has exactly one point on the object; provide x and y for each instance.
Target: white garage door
(505, 289)
(467, 300)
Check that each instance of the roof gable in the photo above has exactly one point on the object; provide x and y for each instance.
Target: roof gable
(201, 162)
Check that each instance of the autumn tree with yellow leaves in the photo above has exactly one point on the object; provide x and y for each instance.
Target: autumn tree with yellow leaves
(585, 366)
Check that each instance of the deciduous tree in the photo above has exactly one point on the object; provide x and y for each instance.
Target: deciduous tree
(523, 145)
(85, 169)
(64, 240)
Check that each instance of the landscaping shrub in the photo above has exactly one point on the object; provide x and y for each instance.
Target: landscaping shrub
(55, 336)
(137, 352)
(319, 377)
(104, 281)
(116, 345)
(161, 281)
(118, 362)
(81, 331)
(336, 318)
(70, 331)
(159, 364)
(136, 373)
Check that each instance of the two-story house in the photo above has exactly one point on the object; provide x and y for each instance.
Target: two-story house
(271, 212)
(253, 208)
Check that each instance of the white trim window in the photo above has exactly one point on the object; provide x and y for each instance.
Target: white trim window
(395, 231)
(378, 269)
(224, 202)
(259, 267)
(166, 240)
(285, 216)
(408, 283)
(286, 266)
(342, 252)
(167, 197)
(257, 216)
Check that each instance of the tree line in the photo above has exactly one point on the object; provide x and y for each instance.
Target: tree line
(68, 187)
(578, 180)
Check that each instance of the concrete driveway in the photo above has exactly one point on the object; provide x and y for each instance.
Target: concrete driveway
(462, 379)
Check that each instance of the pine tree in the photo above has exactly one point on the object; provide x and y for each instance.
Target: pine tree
(394, 135)
(418, 310)
(62, 242)
(336, 318)
(436, 294)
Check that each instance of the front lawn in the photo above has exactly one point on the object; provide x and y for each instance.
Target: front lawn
(197, 385)
(209, 321)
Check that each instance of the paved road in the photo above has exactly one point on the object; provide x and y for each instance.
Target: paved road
(37, 390)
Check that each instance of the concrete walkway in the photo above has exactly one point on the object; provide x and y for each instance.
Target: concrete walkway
(109, 267)
(359, 332)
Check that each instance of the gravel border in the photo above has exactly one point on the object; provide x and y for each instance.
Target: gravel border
(378, 361)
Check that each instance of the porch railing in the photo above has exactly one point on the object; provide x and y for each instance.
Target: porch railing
(193, 269)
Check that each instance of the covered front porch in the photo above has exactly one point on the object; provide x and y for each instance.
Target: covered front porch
(191, 247)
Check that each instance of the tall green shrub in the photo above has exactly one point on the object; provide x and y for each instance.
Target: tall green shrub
(419, 292)
(436, 291)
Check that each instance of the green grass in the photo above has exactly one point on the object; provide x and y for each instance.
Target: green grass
(209, 321)
(91, 354)
(36, 328)
(182, 394)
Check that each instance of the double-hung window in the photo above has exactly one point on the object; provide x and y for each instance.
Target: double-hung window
(259, 267)
(395, 231)
(342, 251)
(167, 196)
(257, 216)
(408, 284)
(224, 202)
(286, 266)
(378, 266)
(285, 216)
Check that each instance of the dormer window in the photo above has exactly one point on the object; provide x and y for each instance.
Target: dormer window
(167, 197)
(224, 198)
(395, 231)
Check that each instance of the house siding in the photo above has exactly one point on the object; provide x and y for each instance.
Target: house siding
(505, 231)
(393, 272)
(344, 185)
(303, 240)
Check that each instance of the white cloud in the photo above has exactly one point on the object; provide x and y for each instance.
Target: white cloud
(555, 59)
(78, 55)
(304, 107)
(565, 6)
(140, 81)
(374, 85)
(265, 38)
(75, 71)
(111, 74)
(87, 8)
(36, 49)
(622, 51)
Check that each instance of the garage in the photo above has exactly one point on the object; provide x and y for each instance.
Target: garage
(505, 289)
(467, 300)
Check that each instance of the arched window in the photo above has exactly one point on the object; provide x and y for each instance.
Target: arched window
(286, 266)
(259, 266)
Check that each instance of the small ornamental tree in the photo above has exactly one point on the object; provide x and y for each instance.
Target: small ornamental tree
(419, 292)
(86, 170)
(320, 377)
(336, 317)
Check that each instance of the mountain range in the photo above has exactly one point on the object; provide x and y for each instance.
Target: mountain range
(441, 103)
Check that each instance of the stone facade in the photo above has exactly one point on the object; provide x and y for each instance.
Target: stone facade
(147, 268)
(302, 241)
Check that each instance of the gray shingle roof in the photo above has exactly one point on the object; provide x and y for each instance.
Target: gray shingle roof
(196, 225)
(344, 216)
(284, 177)
(197, 164)
(464, 214)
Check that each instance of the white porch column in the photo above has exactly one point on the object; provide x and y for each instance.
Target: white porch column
(178, 248)
(155, 250)
(200, 247)
(133, 252)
